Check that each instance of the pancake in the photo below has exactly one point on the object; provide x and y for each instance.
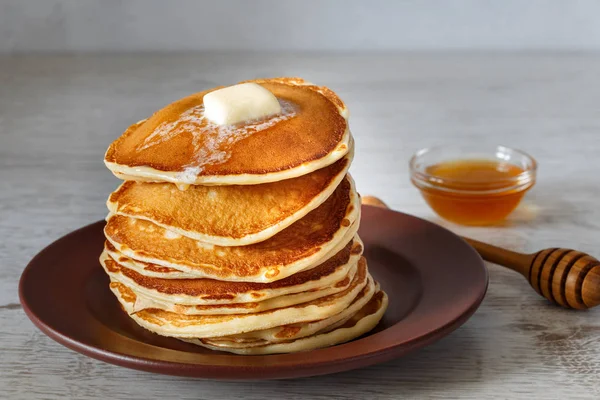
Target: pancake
(210, 291)
(178, 144)
(334, 272)
(362, 322)
(305, 244)
(144, 302)
(201, 326)
(228, 215)
(144, 268)
(289, 332)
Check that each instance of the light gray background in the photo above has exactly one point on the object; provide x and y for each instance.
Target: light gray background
(352, 25)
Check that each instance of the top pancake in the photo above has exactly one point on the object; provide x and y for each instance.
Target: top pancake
(178, 144)
(230, 215)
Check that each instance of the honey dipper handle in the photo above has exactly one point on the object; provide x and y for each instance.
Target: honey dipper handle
(516, 261)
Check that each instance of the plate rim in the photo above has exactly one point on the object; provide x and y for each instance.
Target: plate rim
(252, 372)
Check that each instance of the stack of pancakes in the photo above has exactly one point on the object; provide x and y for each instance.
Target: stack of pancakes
(241, 238)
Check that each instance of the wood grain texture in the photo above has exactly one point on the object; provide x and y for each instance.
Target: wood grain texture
(59, 113)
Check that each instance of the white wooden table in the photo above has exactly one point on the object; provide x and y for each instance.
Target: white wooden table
(59, 113)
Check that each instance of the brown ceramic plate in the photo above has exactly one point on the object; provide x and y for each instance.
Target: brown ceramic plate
(434, 280)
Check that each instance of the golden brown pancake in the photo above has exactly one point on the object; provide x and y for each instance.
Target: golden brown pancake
(228, 215)
(144, 268)
(290, 332)
(241, 237)
(178, 144)
(303, 245)
(200, 326)
(144, 302)
(360, 323)
(210, 292)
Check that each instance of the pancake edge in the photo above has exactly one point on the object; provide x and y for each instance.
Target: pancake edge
(341, 238)
(189, 300)
(148, 174)
(247, 322)
(253, 237)
(337, 336)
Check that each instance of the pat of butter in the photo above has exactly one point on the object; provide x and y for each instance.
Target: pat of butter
(240, 103)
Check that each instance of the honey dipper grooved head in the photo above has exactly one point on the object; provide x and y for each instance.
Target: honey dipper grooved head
(567, 277)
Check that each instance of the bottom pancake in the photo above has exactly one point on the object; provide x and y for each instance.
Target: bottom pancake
(290, 332)
(203, 326)
(360, 323)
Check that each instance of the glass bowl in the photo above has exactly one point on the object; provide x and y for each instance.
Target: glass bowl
(472, 185)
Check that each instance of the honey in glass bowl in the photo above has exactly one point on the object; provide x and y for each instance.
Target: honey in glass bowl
(472, 186)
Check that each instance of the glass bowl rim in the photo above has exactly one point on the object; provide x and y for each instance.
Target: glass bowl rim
(523, 180)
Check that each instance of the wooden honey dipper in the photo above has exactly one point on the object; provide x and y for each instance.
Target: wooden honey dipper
(566, 277)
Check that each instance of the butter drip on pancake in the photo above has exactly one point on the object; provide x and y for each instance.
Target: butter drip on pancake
(211, 143)
(177, 144)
